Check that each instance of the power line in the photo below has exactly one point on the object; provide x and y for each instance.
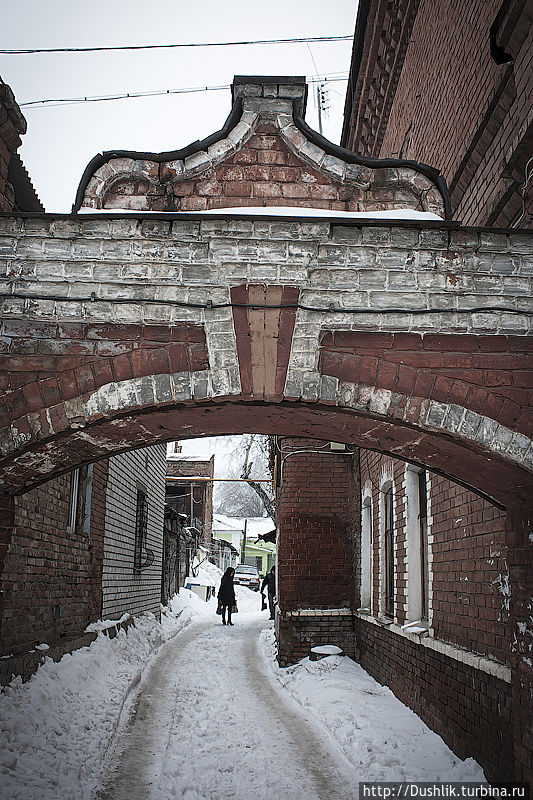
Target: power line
(53, 102)
(32, 51)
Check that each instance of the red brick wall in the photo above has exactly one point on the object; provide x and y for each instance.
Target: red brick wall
(318, 511)
(97, 528)
(471, 589)
(262, 173)
(51, 580)
(491, 375)
(470, 604)
(12, 125)
(453, 106)
(91, 355)
(471, 710)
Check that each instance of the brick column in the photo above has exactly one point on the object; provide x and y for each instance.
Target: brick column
(318, 514)
(520, 559)
(7, 521)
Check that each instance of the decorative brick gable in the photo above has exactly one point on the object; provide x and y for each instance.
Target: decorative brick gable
(265, 155)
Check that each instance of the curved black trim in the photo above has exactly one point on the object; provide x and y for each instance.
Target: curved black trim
(377, 163)
(170, 155)
(235, 114)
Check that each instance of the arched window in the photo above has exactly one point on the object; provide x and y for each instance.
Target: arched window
(388, 552)
(417, 545)
(366, 554)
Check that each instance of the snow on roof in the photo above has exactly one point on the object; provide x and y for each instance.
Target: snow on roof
(256, 526)
(184, 457)
(298, 211)
(290, 211)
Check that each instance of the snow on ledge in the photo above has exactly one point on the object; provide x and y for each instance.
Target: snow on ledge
(483, 663)
(284, 211)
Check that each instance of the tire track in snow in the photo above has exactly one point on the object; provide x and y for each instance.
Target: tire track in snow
(210, 723)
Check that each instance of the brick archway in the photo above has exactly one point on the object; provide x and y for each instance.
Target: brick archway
(409, 338)
(207, 331)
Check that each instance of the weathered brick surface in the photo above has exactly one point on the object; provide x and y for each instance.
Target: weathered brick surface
(266, 159)
(102, 356)
(490, 375)
(469, 590)
(480, 137)
(296, 635)
(48, 572)
(318, 512)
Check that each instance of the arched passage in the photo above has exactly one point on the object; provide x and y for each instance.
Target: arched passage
(404, 338)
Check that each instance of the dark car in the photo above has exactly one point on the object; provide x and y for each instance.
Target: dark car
(247, 576)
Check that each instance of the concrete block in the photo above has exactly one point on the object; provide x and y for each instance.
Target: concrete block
(436, 414)
(163, 389)
(197, 163)
(183, 383)
(521, 242)
(334, 166)
(310, 386)
(312, 152)
(433, 240)
(375, 236)
(328, 388)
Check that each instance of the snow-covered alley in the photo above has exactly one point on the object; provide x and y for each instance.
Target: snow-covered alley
(230, 735)
(188, 708)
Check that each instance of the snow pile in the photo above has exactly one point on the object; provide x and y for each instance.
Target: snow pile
(56, 729)
(379, 735)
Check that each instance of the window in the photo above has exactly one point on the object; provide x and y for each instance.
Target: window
(389, 552)
(141, 528)
(423, 533)
(417, 544)
(73, 500)
(366, 554)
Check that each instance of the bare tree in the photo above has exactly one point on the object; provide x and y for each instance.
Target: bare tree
(248, 460)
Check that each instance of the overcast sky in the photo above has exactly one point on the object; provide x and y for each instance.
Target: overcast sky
(62, 140)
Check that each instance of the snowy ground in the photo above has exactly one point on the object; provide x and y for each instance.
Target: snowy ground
(222, 715)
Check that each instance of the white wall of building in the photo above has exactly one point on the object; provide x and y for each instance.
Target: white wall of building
(123, 588)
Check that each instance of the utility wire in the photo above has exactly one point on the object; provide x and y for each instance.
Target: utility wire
(32, 51)
(329, 309)
(52, 102)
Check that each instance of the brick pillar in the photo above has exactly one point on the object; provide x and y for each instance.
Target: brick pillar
(520, 559)
(318, 505)
(7, 521)
(100, 472)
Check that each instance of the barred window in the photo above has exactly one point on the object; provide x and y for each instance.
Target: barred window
(73, 500)
(141, 529)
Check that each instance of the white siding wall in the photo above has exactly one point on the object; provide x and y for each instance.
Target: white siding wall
(123, 589)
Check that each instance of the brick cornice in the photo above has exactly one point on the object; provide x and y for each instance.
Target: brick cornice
(380, 43)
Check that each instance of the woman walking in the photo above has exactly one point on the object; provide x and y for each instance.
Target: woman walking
(226, 594)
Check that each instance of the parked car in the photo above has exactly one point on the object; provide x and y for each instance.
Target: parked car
(247, 576)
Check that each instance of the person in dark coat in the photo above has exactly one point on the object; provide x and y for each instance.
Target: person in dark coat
(270, 582)
(226, 594)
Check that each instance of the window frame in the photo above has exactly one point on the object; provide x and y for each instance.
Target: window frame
(366, 554)
(73, 500)
(141, 528)
(389, 582)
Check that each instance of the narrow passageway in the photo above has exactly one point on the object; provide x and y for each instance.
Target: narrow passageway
(209, 723)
